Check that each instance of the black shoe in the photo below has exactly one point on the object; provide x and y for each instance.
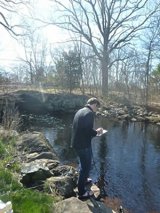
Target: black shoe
(89, 181)
(86, 195)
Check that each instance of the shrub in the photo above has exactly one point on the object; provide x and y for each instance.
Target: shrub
(11, 118)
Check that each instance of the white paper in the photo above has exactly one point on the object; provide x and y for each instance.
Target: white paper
(104, 131)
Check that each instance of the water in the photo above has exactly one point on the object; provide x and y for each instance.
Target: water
(128, 157)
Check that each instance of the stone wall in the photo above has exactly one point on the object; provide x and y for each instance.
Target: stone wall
(43, 103)
(33, 102)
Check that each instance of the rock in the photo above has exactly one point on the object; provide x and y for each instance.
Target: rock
(6, 207)
(140, 118)
(124, 117)
(96, 190)
(71, 205)
(105, 113)
(133, 119)
(43, 155)
(154, 118)
(121, 111)
(65, 170)
(33, 142)
(35, 172)
(63, 186)
(51, 164)
(75, 205)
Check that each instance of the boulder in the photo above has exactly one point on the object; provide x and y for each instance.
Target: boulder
(66, 170)
(75, 205)
(62, 185)
(33, 142)
(35, 172)
(71, 205)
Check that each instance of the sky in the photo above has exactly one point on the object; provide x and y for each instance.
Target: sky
(11, 50)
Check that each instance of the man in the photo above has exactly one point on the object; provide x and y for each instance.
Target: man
(82, 134)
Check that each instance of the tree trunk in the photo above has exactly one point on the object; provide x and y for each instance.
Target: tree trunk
(147, 77)
(105, 69)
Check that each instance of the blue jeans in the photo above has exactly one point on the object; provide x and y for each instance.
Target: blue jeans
(85, 157)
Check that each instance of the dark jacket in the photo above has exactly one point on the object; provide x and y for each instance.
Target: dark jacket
(83, 131)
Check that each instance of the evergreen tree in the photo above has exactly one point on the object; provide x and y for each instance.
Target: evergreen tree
(69, 70)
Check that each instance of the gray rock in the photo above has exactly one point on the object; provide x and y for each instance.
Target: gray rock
(33, 142)
(75, 205)
(63, 186)
(43, 155)
(35, 172)
(65, 170)
(133, 119)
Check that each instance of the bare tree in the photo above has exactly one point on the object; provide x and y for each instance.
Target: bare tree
(104, 25)
(151, 46)
(8, 7)
(35, 55)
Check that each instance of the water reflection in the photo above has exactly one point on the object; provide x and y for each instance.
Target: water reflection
(133, 173)
(127, 158)
(100, 166)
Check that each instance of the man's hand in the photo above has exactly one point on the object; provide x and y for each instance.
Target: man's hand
(99, 131)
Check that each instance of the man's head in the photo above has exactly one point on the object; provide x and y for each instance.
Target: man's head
(93, 103)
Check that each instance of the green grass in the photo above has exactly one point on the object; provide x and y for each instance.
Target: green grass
(23, 200)
(8, 182)
(7, 147)
(29, 201)
(2, 149)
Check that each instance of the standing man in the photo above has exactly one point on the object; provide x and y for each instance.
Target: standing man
(82, 134)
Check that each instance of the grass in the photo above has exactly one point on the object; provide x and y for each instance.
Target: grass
(23, 200)
(29, 201)
(26, 201)
(2, 150)
(7, 155)
(8, 182)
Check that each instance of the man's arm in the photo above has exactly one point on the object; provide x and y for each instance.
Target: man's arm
(88, 125)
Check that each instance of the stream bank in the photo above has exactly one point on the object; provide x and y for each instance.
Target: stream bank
(38, 103)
